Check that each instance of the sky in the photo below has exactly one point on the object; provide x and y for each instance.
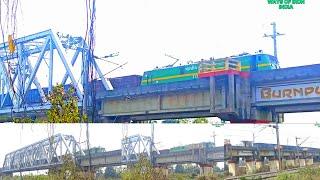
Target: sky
(142, 31)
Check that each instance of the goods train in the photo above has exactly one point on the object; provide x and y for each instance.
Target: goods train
(242, 63)
(235, 64)
(203, 145)
(93, 151)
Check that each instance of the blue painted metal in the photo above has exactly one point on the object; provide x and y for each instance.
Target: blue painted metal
(17, 74)
(50, 67)
(284, 147)
(292, 73)
(256, 110)
(156, 88)
(67, 67)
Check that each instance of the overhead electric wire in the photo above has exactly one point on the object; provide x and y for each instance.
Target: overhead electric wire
(90, 37)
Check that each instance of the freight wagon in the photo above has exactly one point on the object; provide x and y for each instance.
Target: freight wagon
(203, 145)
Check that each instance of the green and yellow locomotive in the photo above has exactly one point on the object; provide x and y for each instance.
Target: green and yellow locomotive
(241, 64)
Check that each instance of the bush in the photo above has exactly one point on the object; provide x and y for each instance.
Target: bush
(209, 177)
(303, 174)
(143, 170)
(286, 176)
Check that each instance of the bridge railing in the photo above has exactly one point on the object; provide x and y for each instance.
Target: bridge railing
(219, 65)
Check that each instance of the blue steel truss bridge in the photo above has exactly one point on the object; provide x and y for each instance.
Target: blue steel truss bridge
(39, 62)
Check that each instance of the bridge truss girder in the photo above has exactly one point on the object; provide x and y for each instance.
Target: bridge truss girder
(41, 155)
(133, 147)
(21, 69)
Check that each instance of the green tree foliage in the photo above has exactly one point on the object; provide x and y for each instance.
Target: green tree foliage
(64, 106)
(142, 170)
(209, 177)
(217, 169)
(23, 120)
(70, 171)
(187, 169)
(110, 172)
(303, 174)
(200, 120)
(179, 169)
(183, 121)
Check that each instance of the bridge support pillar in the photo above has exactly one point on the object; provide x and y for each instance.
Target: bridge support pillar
(289, 163)
(274, 165)
(258, 165)
(309, 161)
(231, 93)
(302, 162)
(250, 166)
(212, 93)
(232, 168)
(205, 169)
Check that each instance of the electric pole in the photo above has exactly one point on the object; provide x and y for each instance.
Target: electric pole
(274, 37)
(278, 146)
(152, 144)
(297, 147)
(276, 126)
(214, 138)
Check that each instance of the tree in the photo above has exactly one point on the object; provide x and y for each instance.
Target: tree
(192, 169)
(142, 170)
(69, 170)
(110, 172)
(200, 120)
(64, 106)
(179, 169)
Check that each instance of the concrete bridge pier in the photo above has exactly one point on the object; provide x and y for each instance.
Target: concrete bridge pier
(250, 166)
(206, 169)
(258, 165)
(289, 163)
(274, 165)
(309, 161)
(232, 167)
(302, 162)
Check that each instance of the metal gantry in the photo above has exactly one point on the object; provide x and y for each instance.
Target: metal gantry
(36, 55)
(44, 154)
(132, 147)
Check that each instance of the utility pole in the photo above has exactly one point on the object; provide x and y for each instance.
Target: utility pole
(278, 145)
(214, 138)
(152, 144)
(253, 138)
(297, 147)
(276, 126)
(274, 37)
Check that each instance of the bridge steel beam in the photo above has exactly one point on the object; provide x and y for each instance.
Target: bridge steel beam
(220, 96)
(286, 90)
(45, 154)
(20, 70)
